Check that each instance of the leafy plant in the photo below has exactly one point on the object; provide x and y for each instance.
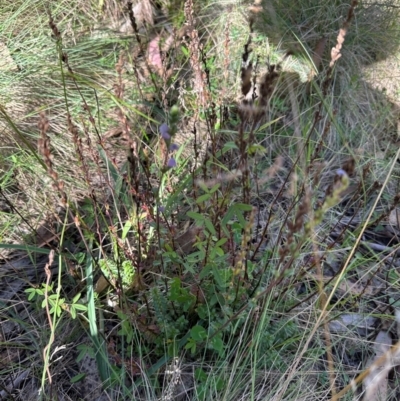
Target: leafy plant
(220, 173)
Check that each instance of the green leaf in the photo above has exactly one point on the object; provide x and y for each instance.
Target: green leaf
(198, 333)
(203, 198)
(217, 344)
(216, 251)
(126, 229)
(72, 310)
(26, 248)
(196, 216)
(210, 227)
(83, 350)
(98, 342)
(221, 281)
(219, 384)
(243, 207)
(200, 375)
(78, 377)
(80, 257)
(187, 300)
(185, 51)
(190, 264)
(205, 271)
(80, 307)
(31, 292)
(268, 123)
(256, 148)
(191, 344)
(175, 289)
(203, 312)
(229, 146)
(76, 298)
(214, 188)
(54, 309)
(228, 216)
(221, 242)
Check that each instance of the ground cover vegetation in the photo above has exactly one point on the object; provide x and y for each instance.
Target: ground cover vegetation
(199, 200)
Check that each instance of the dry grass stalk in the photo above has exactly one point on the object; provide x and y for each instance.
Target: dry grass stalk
(78, 147)
(195, 49)
(241, 265)
(336, 51)
(247, 69)
(226, 60)
(267, 85)
(132, 20)
(44, 150)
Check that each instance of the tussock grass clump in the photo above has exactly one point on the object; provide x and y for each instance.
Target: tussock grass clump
(214, 214)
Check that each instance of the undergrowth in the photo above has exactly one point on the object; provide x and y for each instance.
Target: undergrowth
(204, 189)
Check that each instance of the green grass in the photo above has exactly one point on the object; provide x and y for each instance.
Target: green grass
(216, 270)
